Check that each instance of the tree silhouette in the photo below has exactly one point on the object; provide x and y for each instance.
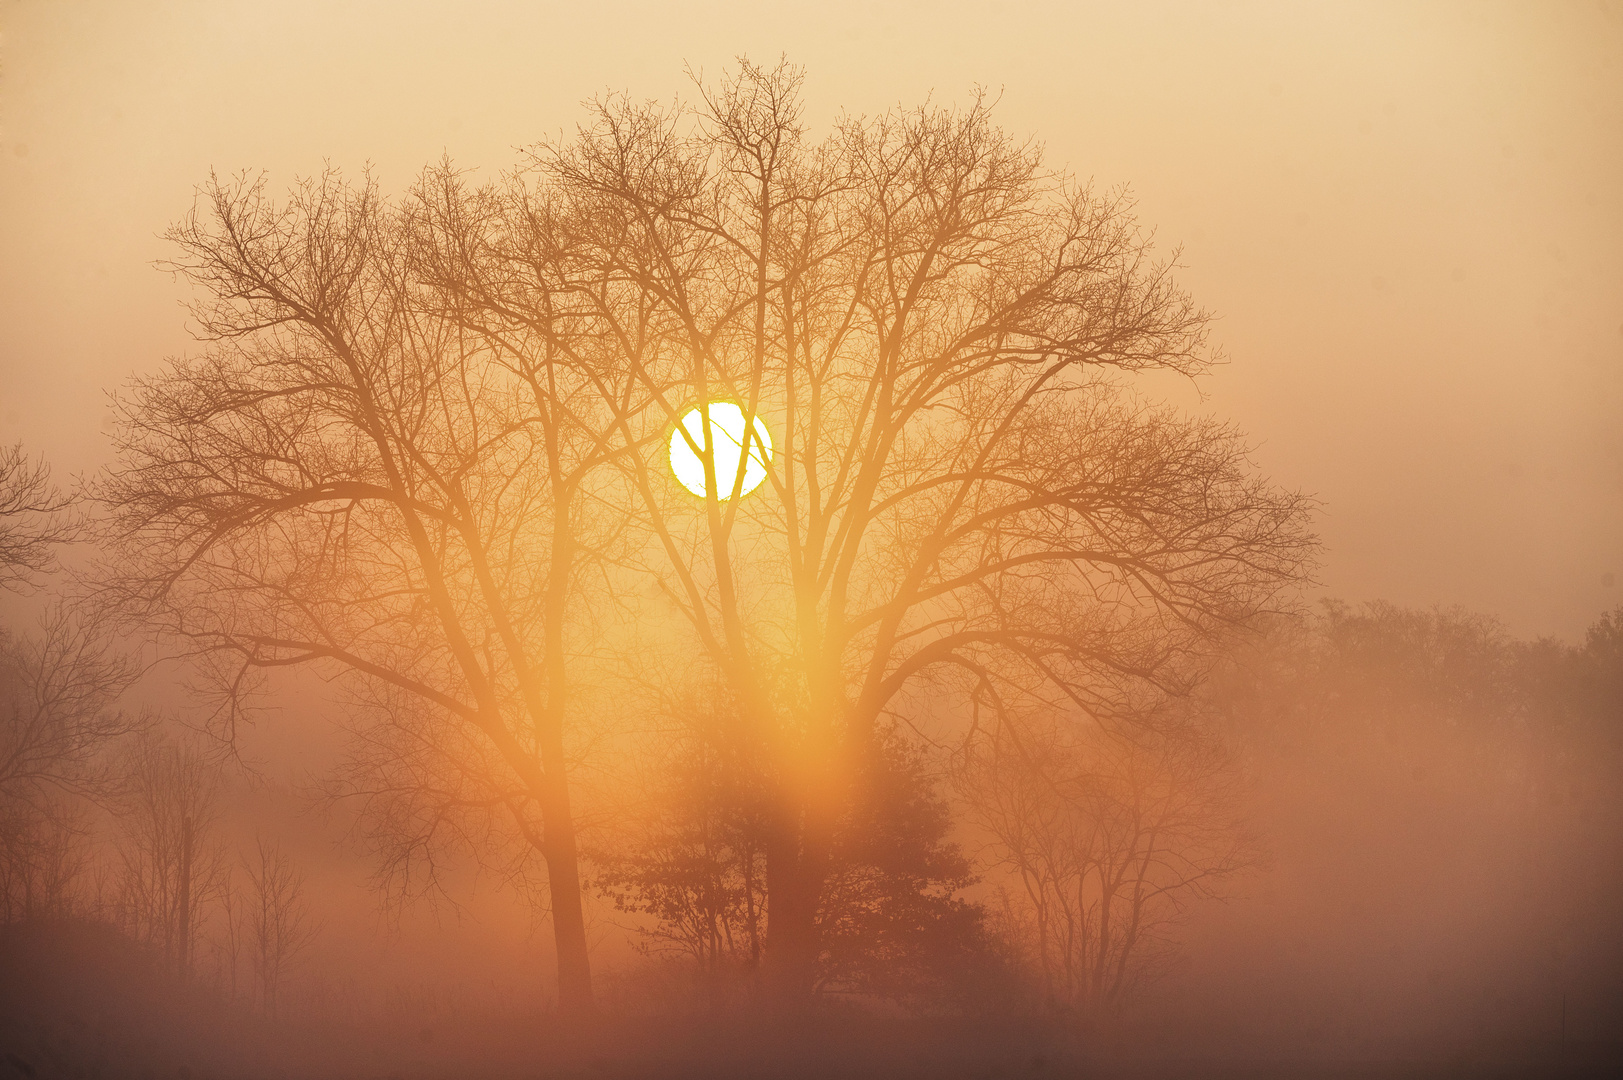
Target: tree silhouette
(925, 318)
(58, 687)
(278, 919)
(1108, 837)
(33, 519)
(172, 865)
(419, 424)
(346, 481)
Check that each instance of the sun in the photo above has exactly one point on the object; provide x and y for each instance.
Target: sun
(727, 446)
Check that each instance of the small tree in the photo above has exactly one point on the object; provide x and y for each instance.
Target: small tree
(58, 687)
(278, 919)
(891, 925)
(230, 942)
(57, 721)
(687, 851)
(1108, 838)
(172, 865)
(43, 851)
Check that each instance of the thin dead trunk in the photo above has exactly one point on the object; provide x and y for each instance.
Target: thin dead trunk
(183, 903)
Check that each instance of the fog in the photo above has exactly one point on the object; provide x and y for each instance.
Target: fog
(1299, 753)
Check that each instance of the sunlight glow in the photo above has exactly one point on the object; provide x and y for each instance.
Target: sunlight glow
(727, 444)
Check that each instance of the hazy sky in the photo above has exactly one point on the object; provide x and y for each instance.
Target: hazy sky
(1409, 216)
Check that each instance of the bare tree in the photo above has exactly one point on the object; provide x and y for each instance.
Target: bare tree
(416, 430)
(43, 852)
(348, 480)
(172, 864)
(923, 317)
(229, 944)
(32, 519)
(1108, 838)
(58, 688)
(278, 919)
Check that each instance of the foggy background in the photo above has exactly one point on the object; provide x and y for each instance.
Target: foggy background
(1408, 218)
(1406, 215)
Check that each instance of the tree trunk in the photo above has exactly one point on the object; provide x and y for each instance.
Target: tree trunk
(568, 916)
(790, 955)
(797, 867)
(183, 902)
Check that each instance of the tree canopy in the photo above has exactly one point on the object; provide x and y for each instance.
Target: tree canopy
(426, 447)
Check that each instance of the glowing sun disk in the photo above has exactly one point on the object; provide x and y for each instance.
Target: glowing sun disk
(726, 447)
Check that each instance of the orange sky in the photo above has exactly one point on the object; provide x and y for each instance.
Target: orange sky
(1408, 215)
